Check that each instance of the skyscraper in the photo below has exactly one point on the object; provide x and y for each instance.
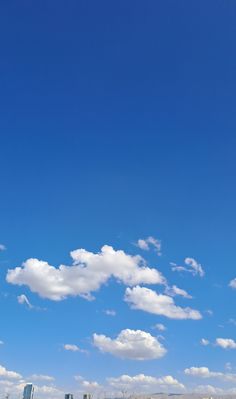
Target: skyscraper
(69, 396)
(28, 391)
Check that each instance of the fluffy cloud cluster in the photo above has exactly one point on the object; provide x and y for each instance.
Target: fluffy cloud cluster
(148, 243)
(12, 383)
(204, 372)
(4, 373)
(87, 274)
(131, 344)
(150, 301)
(191, 266)
(145, 383)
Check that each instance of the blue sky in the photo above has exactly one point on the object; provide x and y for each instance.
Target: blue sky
(117, 125)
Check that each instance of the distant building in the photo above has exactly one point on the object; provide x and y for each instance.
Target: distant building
(28, 391)
(69, 396)
(87, 396)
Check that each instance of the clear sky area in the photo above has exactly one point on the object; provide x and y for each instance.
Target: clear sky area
(117, 197)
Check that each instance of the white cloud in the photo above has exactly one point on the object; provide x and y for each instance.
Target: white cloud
(2, 247)
(131, 344)
(1, 342)
(23, 300)
(228, 366)
(73, 348)
(208, 389)
(110, 312)
(150, 301)
(209, 312)
(204, 372)
(174, 290)
(48, 391)
(232, 283)
(87, 274)
(41, 377)
(145, 383)
(160, 327)
(9, 374)
(89, 386)
(204, 342)
(226, 343)
(191, 266)
(148, 243)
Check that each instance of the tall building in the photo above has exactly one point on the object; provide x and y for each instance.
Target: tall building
(28, 391)
(69, 396)
(87, 396)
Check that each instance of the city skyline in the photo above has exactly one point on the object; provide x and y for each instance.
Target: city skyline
(117, 205)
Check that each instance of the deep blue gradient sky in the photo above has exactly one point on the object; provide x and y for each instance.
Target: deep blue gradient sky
(117, 122)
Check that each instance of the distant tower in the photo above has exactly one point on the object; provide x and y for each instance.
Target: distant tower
(28, 391)
(69, 396)
(87, 396)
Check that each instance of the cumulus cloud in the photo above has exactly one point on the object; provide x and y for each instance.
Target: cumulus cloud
(148, 243)
(2, 247)
(9, 374)
(226, 343)
(87, 274)
(145, 383)
(191, 266)
(204, 372)
(174, 291)
(150, 301)
(131, 344)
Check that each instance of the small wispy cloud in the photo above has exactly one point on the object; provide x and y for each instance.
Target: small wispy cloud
(204, 342)
(2, 247)
(41, 377)
(191, 266)
(23, 300)
(73, 348)
(174, 291)
(148, 243)
(110, 312)
(160, 327)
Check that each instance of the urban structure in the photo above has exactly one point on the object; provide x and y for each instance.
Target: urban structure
(28, 391)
